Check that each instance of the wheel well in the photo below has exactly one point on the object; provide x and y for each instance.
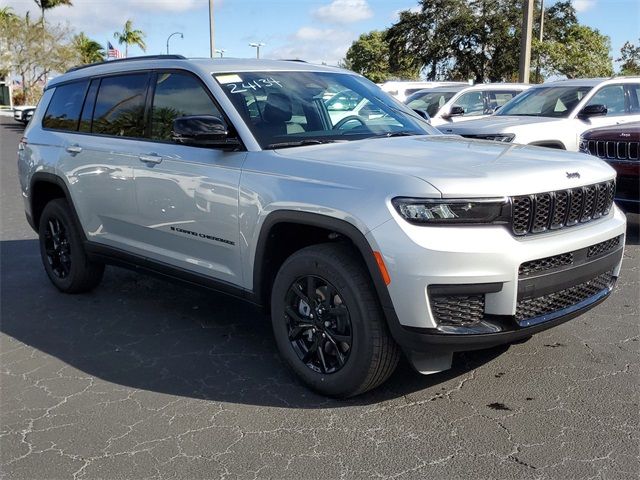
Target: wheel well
(283, 240)
(550, 144)
(42, 192)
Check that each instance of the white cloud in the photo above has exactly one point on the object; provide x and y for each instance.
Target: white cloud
(583, 5)
(99, 16)
(315, 45)
(344, 11)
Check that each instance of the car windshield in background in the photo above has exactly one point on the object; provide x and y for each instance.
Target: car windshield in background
(545, 102)
(285, 109)
(431, 102)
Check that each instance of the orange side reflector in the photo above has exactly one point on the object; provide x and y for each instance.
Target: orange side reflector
(382, 267)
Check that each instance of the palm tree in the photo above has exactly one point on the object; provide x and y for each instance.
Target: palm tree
(88, 50)
(49, 4)
(7, 15)
(128, 36)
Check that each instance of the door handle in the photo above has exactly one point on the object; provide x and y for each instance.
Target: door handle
(153, 158)
(74, 149)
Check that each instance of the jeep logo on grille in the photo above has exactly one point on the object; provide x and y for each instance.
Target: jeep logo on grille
(573, 175)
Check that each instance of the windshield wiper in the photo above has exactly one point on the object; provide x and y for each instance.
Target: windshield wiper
(297, 143)
(401, 133)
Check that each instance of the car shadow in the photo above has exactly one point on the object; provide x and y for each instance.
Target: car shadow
(149, 334)
(15, 127)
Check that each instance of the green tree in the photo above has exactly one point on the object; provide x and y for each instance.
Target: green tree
(22, 41)
(129, 36)
(583, 52)
(45, 5)
(630, 58)
(369, 56)
(88, 50)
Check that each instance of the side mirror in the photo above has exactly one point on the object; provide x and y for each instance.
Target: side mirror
(597, 110)
(202, 131)
(455, 111)
(423, 114)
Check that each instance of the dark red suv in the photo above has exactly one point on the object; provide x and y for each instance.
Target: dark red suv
(618, 145)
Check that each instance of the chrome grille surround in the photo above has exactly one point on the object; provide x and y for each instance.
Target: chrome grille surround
(613, 150)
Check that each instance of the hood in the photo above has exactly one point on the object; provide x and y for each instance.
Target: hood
(495, 124)
(626, 132)
(459, 167)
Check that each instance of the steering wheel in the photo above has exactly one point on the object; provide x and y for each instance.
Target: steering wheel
(341, 123)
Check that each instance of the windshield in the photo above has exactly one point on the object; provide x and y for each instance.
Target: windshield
(296, 108)
(545, 102)
(430, 101)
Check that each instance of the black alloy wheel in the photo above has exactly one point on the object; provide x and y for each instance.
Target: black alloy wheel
(57, 248)
(319, 324)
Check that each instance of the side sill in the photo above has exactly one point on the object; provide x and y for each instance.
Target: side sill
(121, 258)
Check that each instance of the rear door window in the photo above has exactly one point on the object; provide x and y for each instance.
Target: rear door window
(63, 111)
(119, 108)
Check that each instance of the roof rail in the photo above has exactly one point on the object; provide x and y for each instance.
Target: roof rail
(130, 59)
(292, 60)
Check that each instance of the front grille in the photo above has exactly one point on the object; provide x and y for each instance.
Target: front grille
(548, 263)
(563, 208)
(457, 309)
(613, 150)
(552, 302)
(603, 247)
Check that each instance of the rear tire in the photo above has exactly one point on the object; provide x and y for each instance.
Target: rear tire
(323, 298)
(62, 251)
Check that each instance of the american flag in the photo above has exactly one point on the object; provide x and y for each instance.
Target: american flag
(113, 52)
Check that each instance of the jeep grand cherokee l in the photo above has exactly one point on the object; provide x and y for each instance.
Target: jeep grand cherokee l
(365, 238)
(555, 114)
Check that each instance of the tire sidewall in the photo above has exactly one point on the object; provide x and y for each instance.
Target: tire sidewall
(59, 209)
(354, 373)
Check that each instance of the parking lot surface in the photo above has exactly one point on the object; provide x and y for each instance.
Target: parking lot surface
(147, 379)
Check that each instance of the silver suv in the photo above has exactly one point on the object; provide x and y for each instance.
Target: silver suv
(365, 238)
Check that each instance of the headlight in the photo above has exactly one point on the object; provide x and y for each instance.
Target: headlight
(452, 212)
(504, 137)
(583, 145)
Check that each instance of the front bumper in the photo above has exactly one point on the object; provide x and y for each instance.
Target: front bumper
(487, 261)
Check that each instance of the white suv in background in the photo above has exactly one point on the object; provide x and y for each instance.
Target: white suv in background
(457, 103)
(556, 114)
(402, 89)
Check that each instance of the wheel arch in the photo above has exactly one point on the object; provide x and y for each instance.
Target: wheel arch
(557, 144)
(43, 188)
(267, 261)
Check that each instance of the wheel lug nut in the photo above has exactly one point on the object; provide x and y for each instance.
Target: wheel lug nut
(327, 324)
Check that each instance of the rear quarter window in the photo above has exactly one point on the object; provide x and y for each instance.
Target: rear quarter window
(120, 103)
(63, 111)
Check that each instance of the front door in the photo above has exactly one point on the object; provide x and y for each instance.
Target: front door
(187, 196)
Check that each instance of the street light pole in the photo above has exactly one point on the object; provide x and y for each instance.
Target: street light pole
(212, 46)
(525, 42)
(257, 47)
(169, 38)
(220, 51)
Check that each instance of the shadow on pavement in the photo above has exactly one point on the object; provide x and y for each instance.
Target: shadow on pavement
(15, 127)
(148, 334)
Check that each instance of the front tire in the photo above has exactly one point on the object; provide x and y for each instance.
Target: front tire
(328, 324)
(62, 251)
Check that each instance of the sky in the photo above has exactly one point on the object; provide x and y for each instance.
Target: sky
(313, 30)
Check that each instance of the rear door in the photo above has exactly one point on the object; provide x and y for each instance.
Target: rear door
(99, 155)
(187, 196)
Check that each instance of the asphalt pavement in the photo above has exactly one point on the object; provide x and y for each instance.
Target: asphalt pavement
(147, 379)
